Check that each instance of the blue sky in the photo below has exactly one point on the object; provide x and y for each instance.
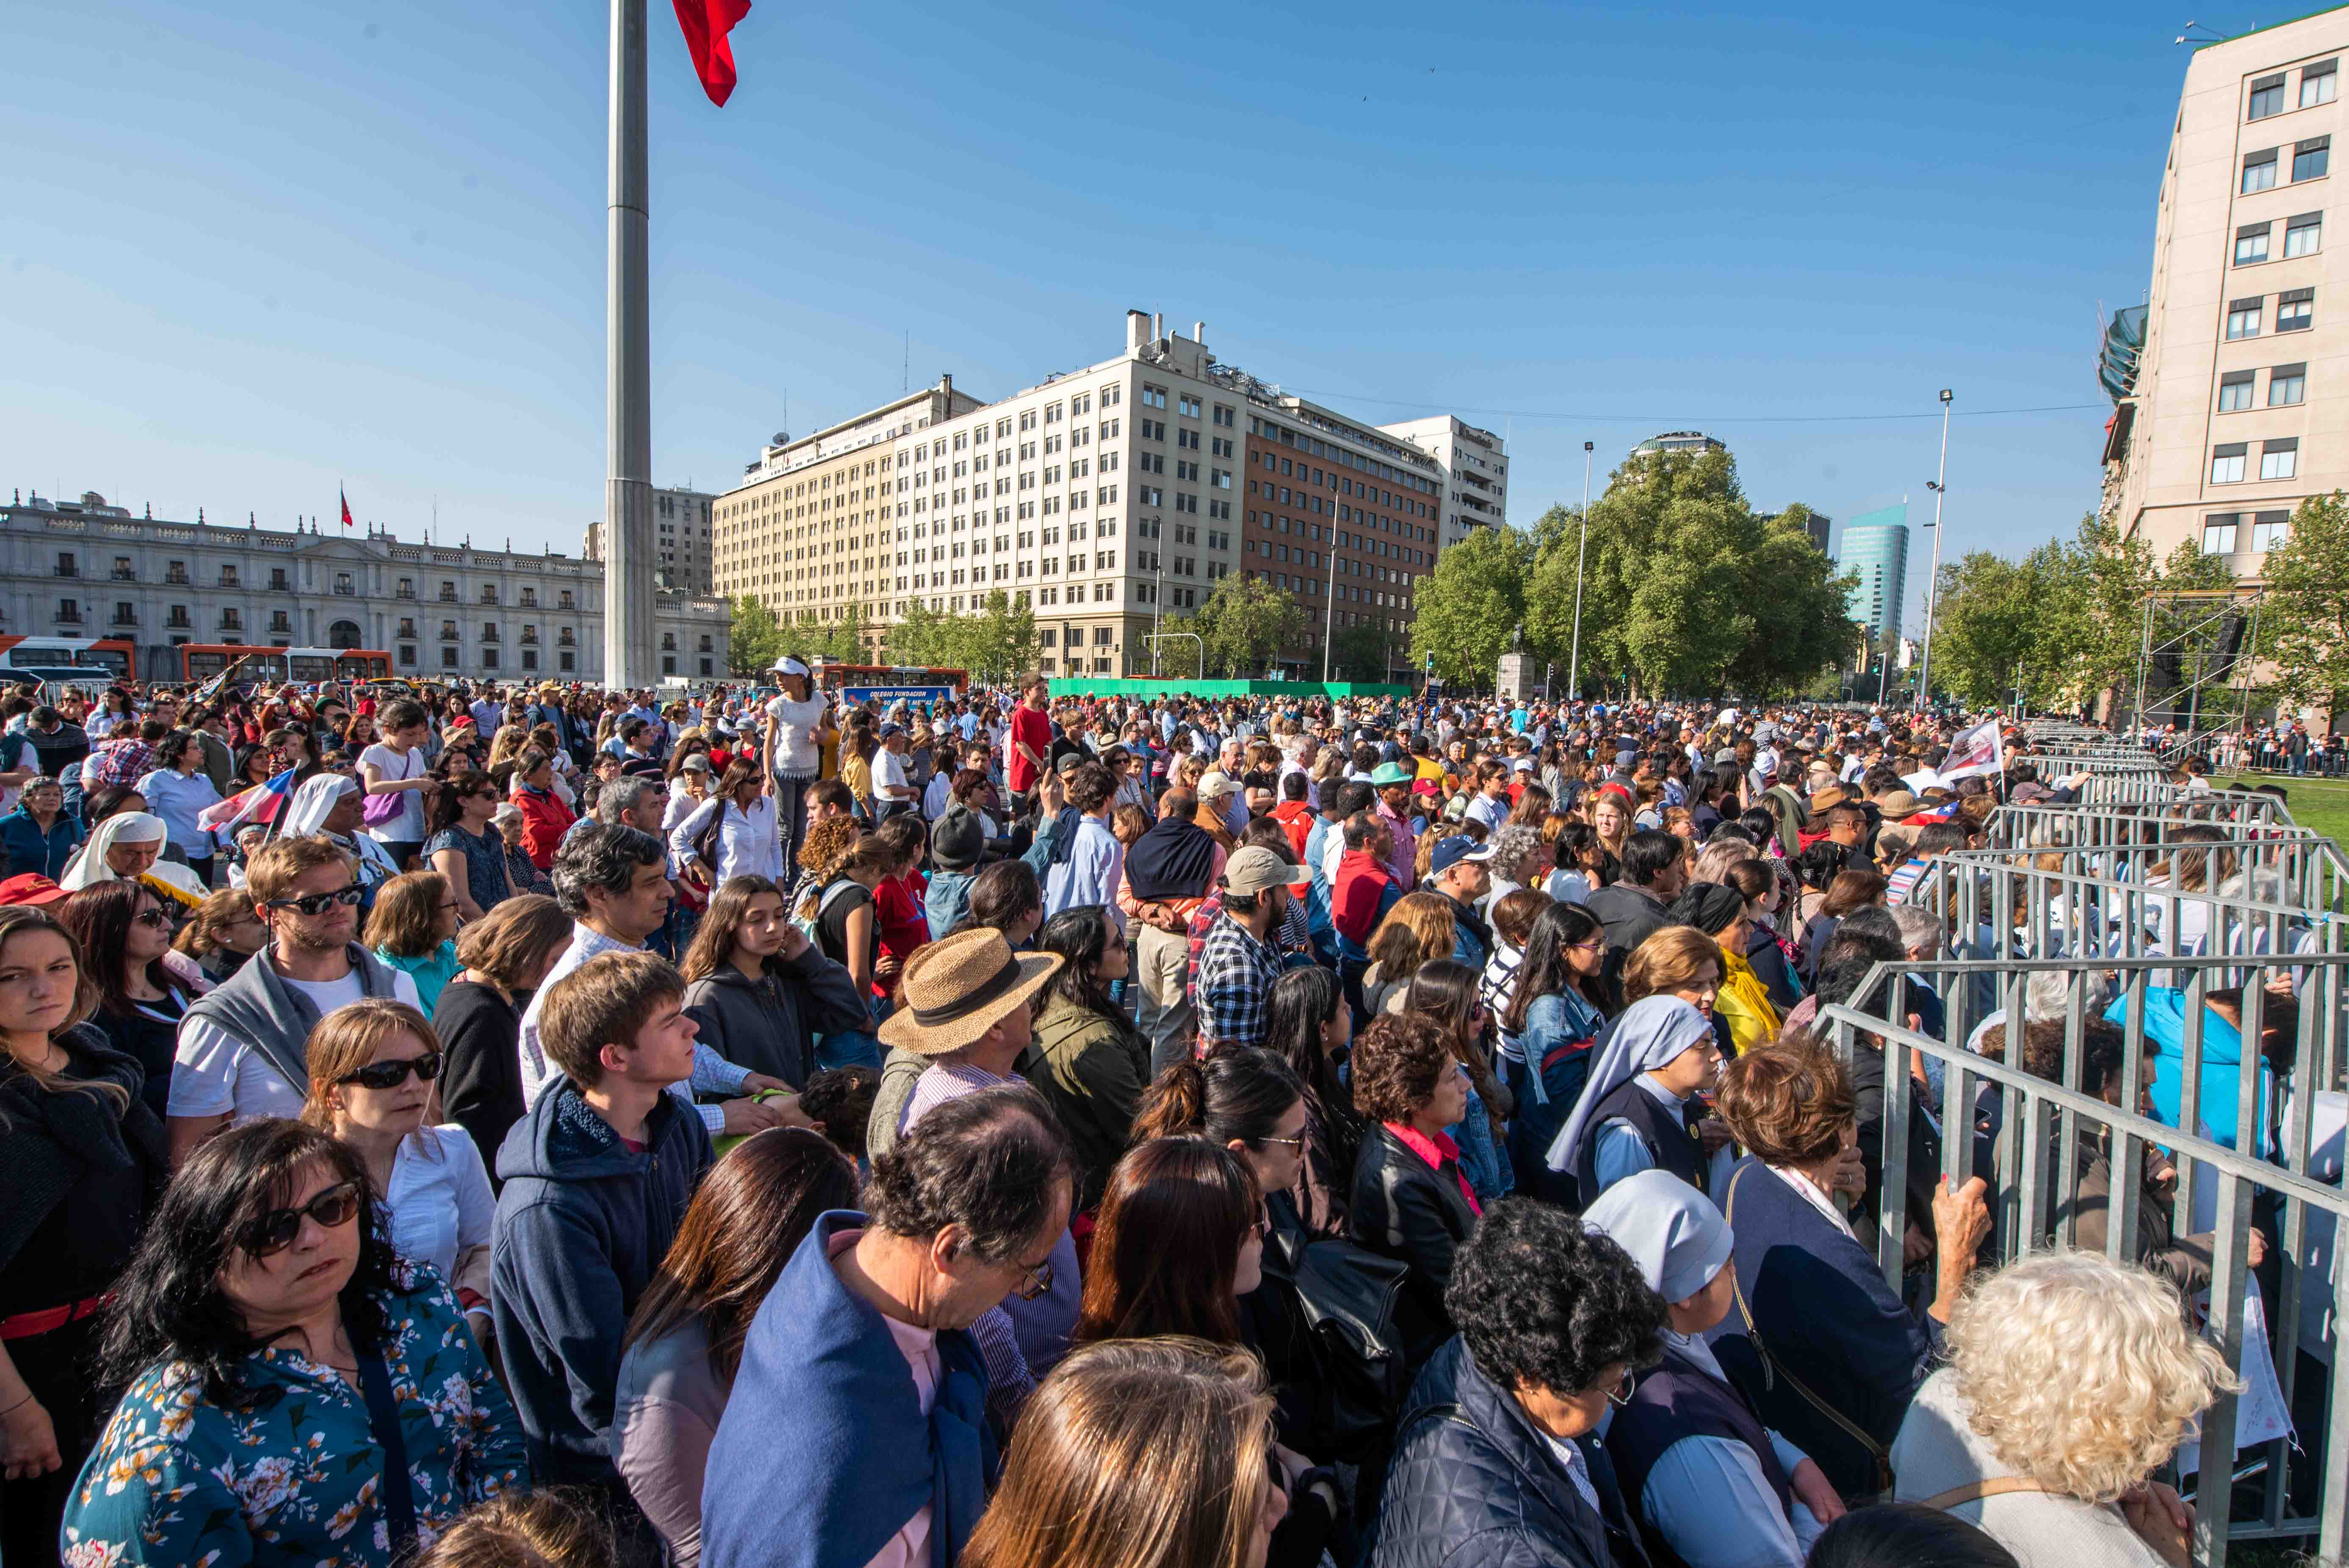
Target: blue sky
(252, 252)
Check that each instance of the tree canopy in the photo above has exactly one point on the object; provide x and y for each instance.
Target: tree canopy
(756, 641)
(1243, 623)
(1685, 590)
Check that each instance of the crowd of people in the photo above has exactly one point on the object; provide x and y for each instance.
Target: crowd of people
(557, 1127)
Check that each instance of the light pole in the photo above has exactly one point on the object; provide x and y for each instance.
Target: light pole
(1329, 606)
(1934, 581)
(1573, 662)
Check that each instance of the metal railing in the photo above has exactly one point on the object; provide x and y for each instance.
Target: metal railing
(2031, 1136)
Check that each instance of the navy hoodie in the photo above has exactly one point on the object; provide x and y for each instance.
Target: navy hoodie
(582, 1224)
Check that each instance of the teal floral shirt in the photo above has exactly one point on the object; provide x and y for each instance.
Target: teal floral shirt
(176, 1479)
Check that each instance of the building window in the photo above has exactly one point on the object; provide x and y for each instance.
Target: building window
(2235, 391)
(2244, 318)
(569, 662)
(2280, 459)
(2295, 310)
(2259, 171)
(2310, 158)
(122, 573)
(2227, 463)
(2270, 529)
(2251, 243)
(530, 658)
(2287, 384)
(66, 566)
(408, 654)
(2319, 83)
(2304, 235)
(2267, 98)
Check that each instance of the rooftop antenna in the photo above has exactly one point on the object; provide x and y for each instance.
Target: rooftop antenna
(905, 369)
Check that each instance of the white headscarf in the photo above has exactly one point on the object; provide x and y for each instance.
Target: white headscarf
(312, 803)
(1673, 1231)
(1644, 1036)
(88, 866)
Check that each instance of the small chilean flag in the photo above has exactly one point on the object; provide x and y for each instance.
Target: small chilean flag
(706, 24)
(347, 507)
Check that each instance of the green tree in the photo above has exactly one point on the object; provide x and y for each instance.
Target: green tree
(845, 639)
(2308, 604)
(1360, 654)
(1465, 611)
(756, 641)
(922, 636)
(999, 643)
(1801, 625)
(1245, 621)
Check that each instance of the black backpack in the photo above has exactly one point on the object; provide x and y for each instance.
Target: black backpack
(1342, 1301)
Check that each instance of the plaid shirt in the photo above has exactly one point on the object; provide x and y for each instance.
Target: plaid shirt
(120, 762)
(1234, 984)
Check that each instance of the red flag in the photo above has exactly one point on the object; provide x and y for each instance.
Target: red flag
(347, 508)
(706, 24)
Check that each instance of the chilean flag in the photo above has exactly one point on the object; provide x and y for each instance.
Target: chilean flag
(704, 24)
(258, 804)
(347, 505)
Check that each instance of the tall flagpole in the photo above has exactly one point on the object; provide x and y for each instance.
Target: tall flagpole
(628, 593)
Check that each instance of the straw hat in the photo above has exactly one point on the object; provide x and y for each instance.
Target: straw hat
(958, 987)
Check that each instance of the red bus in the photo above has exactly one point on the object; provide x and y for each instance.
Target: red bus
(115, 656)
(303, 666)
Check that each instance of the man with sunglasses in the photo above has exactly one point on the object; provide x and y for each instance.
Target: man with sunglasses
(242, 1048)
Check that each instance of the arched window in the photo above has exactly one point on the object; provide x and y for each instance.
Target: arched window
(343, 635)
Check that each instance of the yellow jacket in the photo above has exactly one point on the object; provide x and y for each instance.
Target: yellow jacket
(1746, 1003)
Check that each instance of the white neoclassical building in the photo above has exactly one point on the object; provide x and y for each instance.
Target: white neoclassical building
(88, 570)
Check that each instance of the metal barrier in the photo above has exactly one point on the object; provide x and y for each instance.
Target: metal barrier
(2014, 827)
(2291, 867)
(2034, 1134)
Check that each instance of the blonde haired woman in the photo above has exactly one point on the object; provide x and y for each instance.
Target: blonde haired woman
(1139, 1453)
(2071, 1378)
(373, 1065)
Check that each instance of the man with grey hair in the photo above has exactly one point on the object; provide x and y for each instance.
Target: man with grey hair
(611, 880)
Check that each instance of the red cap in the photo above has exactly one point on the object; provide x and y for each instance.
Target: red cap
(30, 888)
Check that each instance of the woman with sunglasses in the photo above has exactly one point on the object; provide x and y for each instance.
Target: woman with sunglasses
(373, 1065)
(264, 1317)
(125, 935)
(465, 848)
(1547, 1030)
(85, 1162)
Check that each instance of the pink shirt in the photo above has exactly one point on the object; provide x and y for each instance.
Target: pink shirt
(910, 1547)
(1406, 848)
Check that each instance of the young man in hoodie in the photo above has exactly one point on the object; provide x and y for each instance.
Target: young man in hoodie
(597, 1177)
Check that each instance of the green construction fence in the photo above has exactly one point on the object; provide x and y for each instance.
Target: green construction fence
(1143, 686)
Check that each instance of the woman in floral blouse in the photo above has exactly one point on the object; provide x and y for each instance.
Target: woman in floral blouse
(260, 1318)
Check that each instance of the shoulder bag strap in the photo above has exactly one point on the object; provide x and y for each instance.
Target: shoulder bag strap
(383, 1422)
(1975, 1490)
(1773, 1369)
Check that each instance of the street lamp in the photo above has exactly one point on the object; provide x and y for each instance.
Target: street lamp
(1934, 581)
(1329, 606)
(1573, 662)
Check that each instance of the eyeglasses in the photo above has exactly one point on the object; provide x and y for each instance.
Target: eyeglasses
(1621, 1393)
(392, 1074)
(274, 1232)
(1034, 1282)
(1297, 1143)
(320, 903)
(154, 917)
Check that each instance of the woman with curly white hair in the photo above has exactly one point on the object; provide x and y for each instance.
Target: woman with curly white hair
(2070, 1378)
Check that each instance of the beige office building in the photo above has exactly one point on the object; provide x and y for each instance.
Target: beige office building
(2230, 407)
(1103, 498)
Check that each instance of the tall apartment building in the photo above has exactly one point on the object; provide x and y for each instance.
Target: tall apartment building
(1476, 468)
(681, 533)
(2230, 405)
(1105, 498)
(1875, 549)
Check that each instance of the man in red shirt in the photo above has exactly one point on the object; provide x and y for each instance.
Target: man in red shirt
(1029, 741)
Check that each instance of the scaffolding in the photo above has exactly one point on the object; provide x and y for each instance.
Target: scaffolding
(2195, 663)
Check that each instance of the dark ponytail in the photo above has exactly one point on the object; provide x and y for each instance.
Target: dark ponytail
(1239, 1092)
